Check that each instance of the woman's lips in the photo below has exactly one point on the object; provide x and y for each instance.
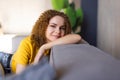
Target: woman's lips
(56, 36)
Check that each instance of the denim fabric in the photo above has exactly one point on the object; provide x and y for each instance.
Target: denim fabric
(5, 59)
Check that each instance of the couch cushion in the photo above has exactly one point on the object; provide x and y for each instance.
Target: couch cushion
(12, 41)
(40, 71)
(84, 62)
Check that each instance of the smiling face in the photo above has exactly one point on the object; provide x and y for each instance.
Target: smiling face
(55, 28)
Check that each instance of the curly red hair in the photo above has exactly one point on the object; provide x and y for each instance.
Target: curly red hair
(38, 32)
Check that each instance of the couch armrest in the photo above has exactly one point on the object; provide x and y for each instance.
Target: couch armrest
(83, 62)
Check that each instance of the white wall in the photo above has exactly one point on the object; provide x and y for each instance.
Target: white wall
(18, 16)
(109, 26)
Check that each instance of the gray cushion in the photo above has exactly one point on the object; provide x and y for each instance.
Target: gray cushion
(84, 62)
(16, 41)
(40, 71)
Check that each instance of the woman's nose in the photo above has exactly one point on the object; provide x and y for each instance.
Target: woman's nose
(57, 30)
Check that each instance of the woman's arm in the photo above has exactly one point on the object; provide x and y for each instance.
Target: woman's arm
(68, 39)
(20, 68)
(21, 56)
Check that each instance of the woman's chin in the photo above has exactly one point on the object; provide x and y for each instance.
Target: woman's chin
(53, 39)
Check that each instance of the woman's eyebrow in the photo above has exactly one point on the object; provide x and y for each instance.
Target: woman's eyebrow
(53, 23)
(56, 24)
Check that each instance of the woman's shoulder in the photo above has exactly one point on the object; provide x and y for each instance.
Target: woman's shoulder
(26, 40)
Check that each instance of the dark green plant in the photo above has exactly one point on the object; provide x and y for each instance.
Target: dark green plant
(75, 15)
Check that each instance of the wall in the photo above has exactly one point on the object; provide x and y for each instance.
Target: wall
(109, 26)
(18, 16)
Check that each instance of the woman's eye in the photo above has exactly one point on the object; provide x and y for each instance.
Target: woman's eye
(63, 28)
(52, 26)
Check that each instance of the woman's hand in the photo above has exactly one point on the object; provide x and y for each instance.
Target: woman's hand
(40, 54)
(20, 68)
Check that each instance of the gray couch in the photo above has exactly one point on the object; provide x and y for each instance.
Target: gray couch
(81, 62)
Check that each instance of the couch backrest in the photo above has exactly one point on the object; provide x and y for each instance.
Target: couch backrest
(16, 41)
(84, 62)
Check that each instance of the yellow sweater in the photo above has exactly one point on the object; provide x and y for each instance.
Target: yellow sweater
(24, 55)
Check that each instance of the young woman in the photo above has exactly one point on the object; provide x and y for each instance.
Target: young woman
(51, 28)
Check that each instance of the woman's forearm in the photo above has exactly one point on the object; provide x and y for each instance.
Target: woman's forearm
(20, 68)
(68, 39)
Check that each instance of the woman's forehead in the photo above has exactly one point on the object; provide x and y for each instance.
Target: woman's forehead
(57, 20)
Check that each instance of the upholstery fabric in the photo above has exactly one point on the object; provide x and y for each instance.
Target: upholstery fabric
(41, 71)
(83, 62)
